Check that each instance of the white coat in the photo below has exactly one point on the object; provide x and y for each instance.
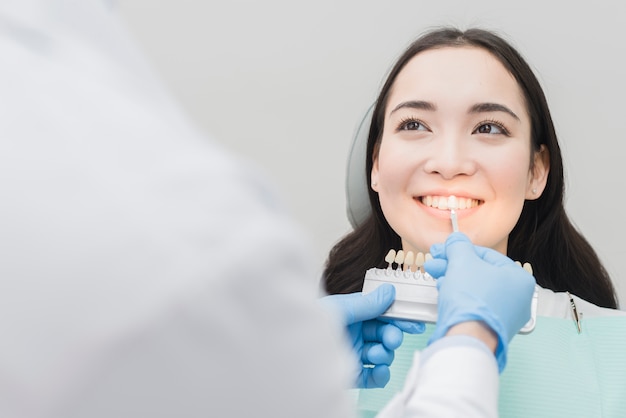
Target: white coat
(145, 271)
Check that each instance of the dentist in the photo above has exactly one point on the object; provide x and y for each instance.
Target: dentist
(122, 287)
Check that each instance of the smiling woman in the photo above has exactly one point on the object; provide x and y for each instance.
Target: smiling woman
(455, 130)
(462, 114)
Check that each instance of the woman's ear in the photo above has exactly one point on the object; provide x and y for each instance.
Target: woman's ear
(539, 173)
(374, 175)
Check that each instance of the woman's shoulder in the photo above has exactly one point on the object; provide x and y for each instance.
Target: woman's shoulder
(558, 305)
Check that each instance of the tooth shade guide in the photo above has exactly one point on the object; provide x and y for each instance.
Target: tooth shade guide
(528, 268)
(452, 205)
(407, 262)
(390, 257)
(409, 259)
(419, 261)
(455, 225)
(399, 258)
(417, 294)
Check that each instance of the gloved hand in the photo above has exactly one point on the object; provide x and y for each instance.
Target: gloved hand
(373, 340)
(478, 283)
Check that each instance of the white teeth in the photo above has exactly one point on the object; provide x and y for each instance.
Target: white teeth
(450, 202)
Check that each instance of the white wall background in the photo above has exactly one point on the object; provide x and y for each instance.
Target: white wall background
(285, 83)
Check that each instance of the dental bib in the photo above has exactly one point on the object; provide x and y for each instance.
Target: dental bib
(553, 371)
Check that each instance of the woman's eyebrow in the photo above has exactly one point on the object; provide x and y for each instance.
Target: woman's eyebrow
(491, 107)
(415, 104)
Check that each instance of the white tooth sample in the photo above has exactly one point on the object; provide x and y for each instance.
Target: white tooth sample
(400, 257)
(419, 260)
(427, 257)
(390, 257)
(452, 203)
(409, 259)
(518, 263)
(528, 268)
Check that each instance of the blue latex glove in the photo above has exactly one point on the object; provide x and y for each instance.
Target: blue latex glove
(480, 284)
(373, 340)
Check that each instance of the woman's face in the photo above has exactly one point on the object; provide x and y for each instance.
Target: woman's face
(456, 124)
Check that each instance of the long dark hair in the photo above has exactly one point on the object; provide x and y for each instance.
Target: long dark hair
(561, 257)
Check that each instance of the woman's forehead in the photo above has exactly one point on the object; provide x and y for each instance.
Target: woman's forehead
(456, 75)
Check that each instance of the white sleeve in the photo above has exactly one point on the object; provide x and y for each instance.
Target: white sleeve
(145, 271)
(454, 377)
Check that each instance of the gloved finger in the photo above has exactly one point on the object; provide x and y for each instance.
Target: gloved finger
(492, 256)
(374, 377)
(391, 337)
(459, 246)
(438, 250)
(382, 332)
(376, 353)
(440, 281)
(436, 267)
(410, 327)
(373, 304)
(357, 307)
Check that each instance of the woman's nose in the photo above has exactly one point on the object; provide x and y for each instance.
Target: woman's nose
(450, 157)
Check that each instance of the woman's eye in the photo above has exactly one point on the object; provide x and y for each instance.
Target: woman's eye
(491, 128)
(412, 125)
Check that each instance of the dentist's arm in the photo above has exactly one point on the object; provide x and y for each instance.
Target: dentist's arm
(484, 300)
(478, 284)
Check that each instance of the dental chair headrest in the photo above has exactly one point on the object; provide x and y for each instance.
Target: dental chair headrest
(357, 200)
